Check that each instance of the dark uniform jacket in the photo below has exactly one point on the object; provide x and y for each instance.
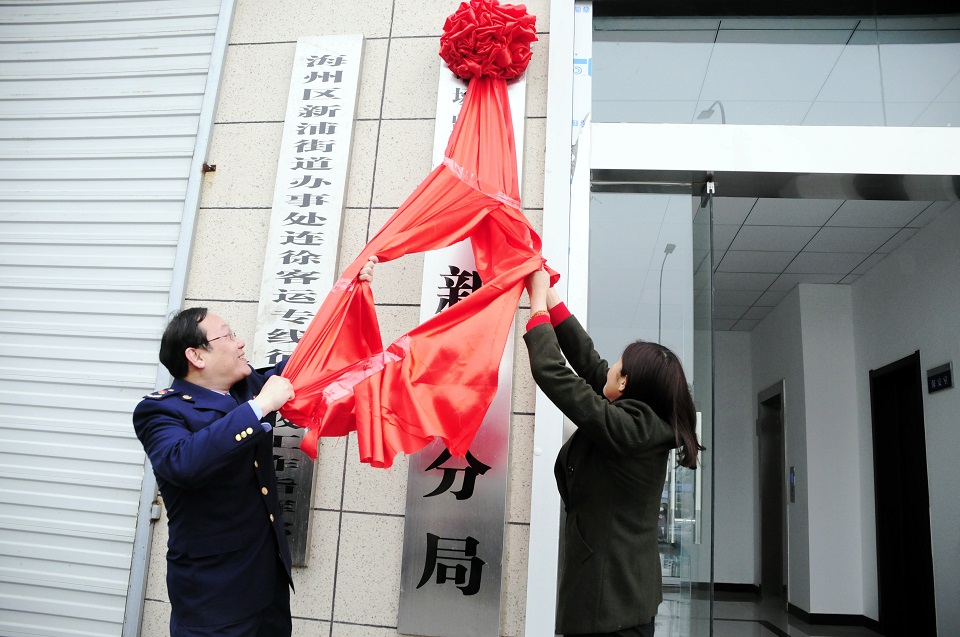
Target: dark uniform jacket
(610, 474)
(214, 467)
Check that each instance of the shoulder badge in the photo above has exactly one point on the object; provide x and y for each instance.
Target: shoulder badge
(161, 393)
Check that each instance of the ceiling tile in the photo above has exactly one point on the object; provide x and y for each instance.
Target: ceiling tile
(931, 212)
(850, 278)
(842, 239)
(868, 263)
(729, 311)
(743, 280)
(757, 312)
(787, 282)
(777, 238)
(825, 262)
(723, 235)
(771, 298)
(755, 261)
(723, 325)
(824, 113)
(862, 213)
(897, 240)
(792, 212)
(736, 297)
(788, 70)
(744, 325)
(731, 210)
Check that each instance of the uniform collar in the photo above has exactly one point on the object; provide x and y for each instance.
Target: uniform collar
(204, 398)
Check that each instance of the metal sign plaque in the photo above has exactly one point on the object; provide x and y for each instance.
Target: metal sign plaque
(300, 261)
(455, 518)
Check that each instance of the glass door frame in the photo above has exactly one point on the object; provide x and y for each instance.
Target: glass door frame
(762, 160)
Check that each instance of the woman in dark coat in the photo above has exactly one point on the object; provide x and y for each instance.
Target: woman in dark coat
(611, 471)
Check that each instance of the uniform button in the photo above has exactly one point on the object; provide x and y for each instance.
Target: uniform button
(570, 470)
(243, 434)
(238, 437)
(271, 517)
(256, 465)
(263, 491)
(250, 430)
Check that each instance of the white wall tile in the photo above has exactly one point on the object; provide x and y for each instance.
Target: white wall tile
(246, 157)
(536, 77)
(157, 573)
(350, 630)
(404, 159)
(370, 98)
(399, 281)
(413, 17)
(310, 628)
(534, 145)
(353, 238)
(285, 20)
(314, 583)
(374, 490)
(328, 473)
(156, 619)
(521, 469)
(395, 321)
(368, 571)
(256, 82)
(514, 595)
(413, 72)
(228, 252)
(524, 388)
(363, 158)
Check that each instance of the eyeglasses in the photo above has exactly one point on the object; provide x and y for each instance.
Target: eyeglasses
(231, 335)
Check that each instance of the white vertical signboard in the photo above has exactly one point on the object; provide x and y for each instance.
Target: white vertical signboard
(300, 262)
(456, 507)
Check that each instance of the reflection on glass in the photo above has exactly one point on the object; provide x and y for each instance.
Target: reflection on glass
(650, 278)
(901, 71)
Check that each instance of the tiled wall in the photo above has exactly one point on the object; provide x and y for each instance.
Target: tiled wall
(351, 586)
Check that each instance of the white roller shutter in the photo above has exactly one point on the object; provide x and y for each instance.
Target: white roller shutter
(100, 107)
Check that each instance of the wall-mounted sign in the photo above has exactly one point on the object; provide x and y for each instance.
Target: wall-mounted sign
(450, 582)
(300, 261)
(939, 378)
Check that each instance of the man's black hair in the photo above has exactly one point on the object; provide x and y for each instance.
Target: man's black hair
(182, 332)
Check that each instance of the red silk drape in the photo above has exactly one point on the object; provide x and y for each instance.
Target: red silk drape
(439, 378)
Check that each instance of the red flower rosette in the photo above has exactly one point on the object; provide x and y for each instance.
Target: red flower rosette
(484, 38)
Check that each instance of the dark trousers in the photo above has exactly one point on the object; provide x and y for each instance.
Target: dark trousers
(272, 621)
(643, 630)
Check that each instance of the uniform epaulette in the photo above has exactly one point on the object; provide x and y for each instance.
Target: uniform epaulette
(162, 393)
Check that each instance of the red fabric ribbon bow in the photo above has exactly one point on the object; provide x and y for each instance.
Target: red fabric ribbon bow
(438, 379)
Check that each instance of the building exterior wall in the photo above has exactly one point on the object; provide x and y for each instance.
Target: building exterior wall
(352, 581)
(351, 585)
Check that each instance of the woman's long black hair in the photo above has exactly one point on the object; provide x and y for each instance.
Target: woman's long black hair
(655, 376)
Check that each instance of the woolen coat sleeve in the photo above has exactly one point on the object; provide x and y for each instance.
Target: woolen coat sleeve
(623, 427)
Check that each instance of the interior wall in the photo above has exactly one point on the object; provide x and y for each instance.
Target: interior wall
(735, 453)
(778, 354)
(908, 302)
(832, 475)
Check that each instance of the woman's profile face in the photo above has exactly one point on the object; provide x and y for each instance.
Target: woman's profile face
(616, 382)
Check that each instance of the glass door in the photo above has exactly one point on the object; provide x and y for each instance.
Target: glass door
(649, 278)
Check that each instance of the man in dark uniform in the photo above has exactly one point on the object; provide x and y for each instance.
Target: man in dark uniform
(211, 447)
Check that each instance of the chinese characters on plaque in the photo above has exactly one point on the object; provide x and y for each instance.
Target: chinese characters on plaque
(301, 255)
(453, 542)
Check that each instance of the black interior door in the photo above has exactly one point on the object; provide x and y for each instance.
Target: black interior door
(904, 553)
